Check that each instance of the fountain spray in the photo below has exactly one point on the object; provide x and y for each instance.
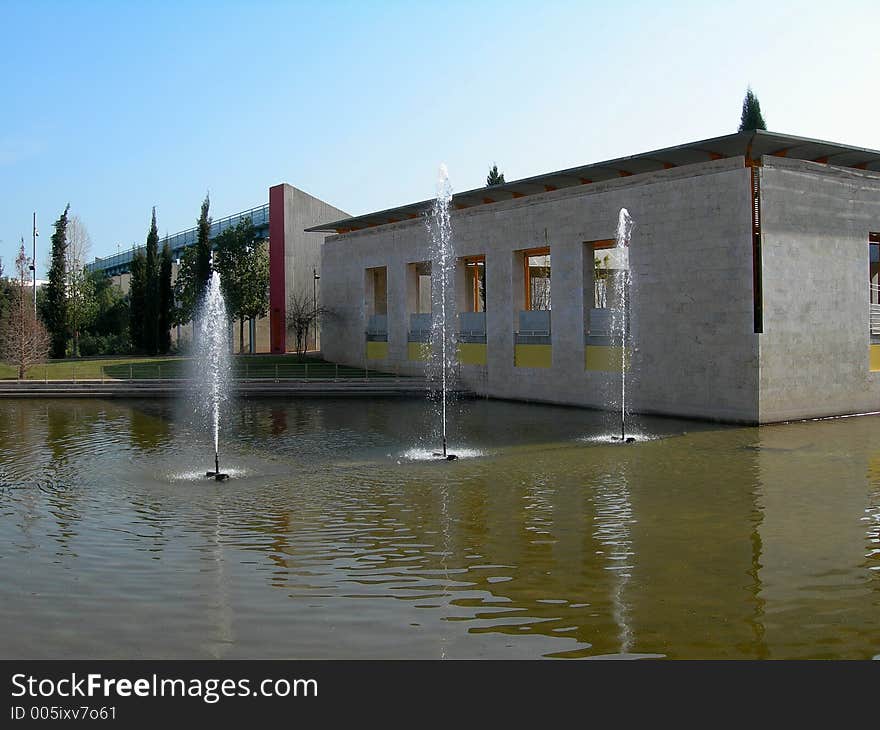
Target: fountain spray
(212, 363)
(442, 296)
(620, 320)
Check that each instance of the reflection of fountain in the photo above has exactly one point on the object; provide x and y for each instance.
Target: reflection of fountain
(212, 363)
(614, 515)
(443, 349)
(620, 328)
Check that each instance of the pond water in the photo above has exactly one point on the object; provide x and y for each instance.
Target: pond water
(334, 540)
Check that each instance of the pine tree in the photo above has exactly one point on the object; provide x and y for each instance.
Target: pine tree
(166, 299)
(751, 118)
(150, 338)
(137, 292)
(55, 307)
(203, 249)
(494, 177)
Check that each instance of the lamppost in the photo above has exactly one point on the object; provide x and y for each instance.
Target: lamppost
(315, 278)
(34, 262)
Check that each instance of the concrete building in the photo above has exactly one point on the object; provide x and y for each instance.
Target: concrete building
(294, 260)
(755, 261)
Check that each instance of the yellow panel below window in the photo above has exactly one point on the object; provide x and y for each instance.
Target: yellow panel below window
(533, 356)
(603, 358)
(875, 358)
(377, 350)
(472, 353)
(418, 351)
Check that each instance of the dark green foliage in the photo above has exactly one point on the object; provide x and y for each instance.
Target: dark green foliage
(108, 332)
(203, 249)
(111, 314)
(150, 337)
(6, 294)
(186, 290)
(751, 118)
(243, 264)
(193, 272)
(55, 306)
(137, 294)
(166, 299)
(494, 177)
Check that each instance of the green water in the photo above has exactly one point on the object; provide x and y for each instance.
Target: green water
(332, 541)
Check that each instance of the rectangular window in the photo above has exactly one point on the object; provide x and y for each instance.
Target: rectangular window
(376, 304)
(874, 283)
(475, 281)
(418, 303)
(597, 255)
(536, 274)
(378, 299)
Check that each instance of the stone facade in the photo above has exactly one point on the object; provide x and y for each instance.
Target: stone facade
(698, 351)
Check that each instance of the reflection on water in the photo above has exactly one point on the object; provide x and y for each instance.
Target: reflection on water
(709, 542)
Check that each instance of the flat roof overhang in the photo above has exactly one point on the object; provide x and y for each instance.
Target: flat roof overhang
(751, 145)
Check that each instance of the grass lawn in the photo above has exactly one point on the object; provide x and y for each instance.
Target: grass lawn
(243, 366)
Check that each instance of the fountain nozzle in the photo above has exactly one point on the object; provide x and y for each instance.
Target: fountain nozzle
(217, 474)
(445, 454)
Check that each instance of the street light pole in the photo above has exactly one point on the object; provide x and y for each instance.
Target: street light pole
(34, 263)
(315, 278)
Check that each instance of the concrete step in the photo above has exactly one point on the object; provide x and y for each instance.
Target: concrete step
(409, 387)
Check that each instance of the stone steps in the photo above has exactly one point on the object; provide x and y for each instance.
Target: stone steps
(385, 387)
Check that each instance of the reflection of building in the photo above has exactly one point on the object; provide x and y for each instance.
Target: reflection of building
(750, 261)
(817, 572)
(294, 258)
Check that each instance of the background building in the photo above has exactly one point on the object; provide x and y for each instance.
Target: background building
(294, 259)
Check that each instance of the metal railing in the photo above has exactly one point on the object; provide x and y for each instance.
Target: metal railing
(874, 299)
(85, 371)
(259, 217)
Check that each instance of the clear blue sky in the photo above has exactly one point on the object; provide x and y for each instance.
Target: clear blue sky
(115, 107)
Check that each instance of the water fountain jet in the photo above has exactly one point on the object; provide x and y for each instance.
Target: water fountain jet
(212, 364)
(620, 325)
(443, 299)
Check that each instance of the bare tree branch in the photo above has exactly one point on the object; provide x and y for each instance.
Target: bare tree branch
(23, 339)
(302, 316)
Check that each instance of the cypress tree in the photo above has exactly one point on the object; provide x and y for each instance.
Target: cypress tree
(151, 291)
(203, 249)
(494, 177)
(166, 299)
(137, 300)
(55, 307)
(751, 118)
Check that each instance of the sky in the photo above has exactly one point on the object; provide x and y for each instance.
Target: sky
(118, 107)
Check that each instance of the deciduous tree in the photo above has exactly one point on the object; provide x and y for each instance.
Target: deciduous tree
(23, 339)
(302, 315)
(80, 293)
(107, 332)
(186, 289)
(243, 264)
